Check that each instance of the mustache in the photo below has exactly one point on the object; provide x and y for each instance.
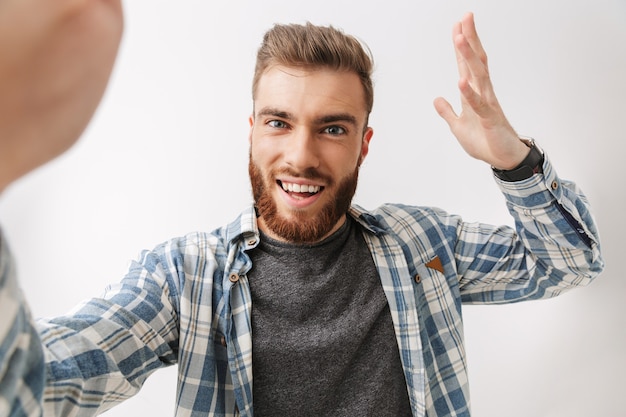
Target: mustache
(309, 174)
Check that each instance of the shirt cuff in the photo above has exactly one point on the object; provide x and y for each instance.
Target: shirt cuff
(538, 191)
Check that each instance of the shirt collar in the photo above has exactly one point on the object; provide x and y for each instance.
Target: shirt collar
(246, 228)
(366, 219)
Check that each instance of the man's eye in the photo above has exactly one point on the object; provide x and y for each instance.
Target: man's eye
(278, 124)
(335, 130)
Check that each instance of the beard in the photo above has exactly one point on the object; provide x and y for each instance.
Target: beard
(302, 228)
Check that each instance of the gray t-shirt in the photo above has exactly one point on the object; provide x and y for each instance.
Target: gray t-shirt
(323, 338)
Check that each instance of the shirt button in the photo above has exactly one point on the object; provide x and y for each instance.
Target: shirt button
(555, 185)
(233, 277)
(252, 242)
(418, 279)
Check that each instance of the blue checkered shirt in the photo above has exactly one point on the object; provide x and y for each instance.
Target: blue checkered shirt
(187, 302)
(21, 358)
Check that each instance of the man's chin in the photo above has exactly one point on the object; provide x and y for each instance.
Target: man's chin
(298, 227)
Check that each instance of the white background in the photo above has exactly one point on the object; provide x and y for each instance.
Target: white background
(167, 154)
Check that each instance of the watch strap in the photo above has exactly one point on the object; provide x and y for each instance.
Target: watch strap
(531, 165)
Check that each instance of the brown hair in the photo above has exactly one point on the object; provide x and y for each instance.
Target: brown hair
(312, 46)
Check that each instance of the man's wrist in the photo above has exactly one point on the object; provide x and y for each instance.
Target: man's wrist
(531, 165)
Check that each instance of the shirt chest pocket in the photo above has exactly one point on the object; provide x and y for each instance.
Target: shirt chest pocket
(439, 304)
(438, 293)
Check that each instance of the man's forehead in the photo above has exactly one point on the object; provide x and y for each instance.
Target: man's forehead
(281, 88)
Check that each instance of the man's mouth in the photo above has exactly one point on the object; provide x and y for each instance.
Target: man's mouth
(299, 190)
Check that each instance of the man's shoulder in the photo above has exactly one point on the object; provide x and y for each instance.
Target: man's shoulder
(406, 222)
(240, 229)
(396, 212)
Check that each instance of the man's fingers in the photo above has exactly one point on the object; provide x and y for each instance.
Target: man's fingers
(445, 110)
(460, 60)
(477, 71)
(468, 28)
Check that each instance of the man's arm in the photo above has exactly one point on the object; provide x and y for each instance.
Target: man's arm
(21, 357)
(101, 352)
(553, 248)
(555, 245)
(56, 59)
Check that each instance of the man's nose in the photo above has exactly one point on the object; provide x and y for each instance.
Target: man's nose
(302, 151)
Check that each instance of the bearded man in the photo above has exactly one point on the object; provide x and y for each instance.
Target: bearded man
(329, 308)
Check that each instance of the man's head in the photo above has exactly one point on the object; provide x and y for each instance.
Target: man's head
(312, 96)
(313, 47)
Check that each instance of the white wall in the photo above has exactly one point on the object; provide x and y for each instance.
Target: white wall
(167, 154)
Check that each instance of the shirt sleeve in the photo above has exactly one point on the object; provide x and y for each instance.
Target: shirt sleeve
(102, 351)
(21, 358)
(553, 247)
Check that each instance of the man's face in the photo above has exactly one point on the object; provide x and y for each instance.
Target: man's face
(307, 141)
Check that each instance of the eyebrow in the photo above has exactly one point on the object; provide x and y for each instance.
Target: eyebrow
(329, 118)
(341, 117)
(271, 111)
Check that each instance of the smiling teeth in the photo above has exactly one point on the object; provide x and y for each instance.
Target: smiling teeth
(300, 188)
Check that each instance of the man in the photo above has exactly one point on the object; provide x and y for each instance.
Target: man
(56, 59)
(306, 305)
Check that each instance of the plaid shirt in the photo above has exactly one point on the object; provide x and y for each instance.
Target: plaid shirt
(21, 358)
(187, 302)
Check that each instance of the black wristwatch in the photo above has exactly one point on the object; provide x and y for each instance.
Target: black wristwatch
(531, 165)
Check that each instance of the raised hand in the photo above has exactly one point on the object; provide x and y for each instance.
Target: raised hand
(481, 128)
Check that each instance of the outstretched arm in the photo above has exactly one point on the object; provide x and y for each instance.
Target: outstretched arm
(481, 128)
(56, 57)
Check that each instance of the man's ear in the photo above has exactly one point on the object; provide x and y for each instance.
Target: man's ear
(251, 122)
(365, 144)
